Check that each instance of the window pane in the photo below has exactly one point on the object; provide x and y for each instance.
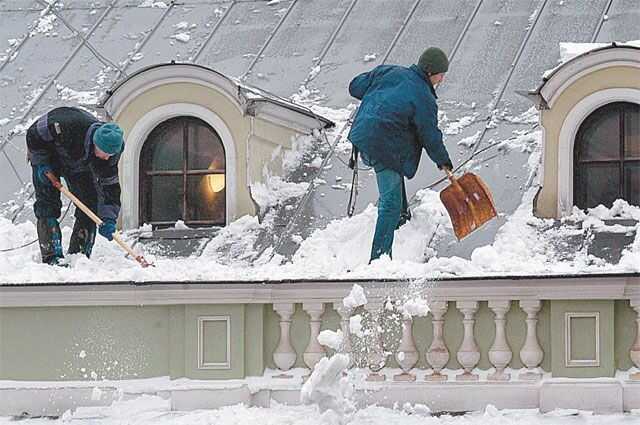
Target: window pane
(205, 148)
(166, 142)
(206, 198)
(632, 183)
(597, 184)
(166, 198)
(632, 131)
(599, 135)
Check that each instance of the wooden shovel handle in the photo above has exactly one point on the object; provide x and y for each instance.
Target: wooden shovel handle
(78, 203)
(450, 175)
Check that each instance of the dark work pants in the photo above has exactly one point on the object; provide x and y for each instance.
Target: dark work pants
(48, 205)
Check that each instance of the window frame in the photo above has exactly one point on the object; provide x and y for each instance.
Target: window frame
(145, 175)
(620, 108)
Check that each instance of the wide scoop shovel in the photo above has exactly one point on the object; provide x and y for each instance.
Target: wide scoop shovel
(78, 203)
(468, 202)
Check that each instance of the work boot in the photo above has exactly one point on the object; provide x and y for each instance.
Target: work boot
(405, 216)
(50, 239)
(82, 237)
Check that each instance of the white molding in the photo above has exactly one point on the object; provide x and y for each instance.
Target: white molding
(580, 66)
(568, 133)
(158, 293)
(568, 361)
(170, 74)
(600, 395)
(129, 164)
(201, 361)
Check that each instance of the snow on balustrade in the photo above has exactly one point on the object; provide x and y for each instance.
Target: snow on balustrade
(374, 326)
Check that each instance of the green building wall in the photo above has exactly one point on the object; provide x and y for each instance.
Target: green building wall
(129, 342)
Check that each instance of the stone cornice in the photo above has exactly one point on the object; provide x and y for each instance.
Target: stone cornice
(169, 293)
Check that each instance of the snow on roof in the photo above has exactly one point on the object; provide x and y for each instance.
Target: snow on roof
(72, 52)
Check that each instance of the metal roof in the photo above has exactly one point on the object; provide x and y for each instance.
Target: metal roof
(497, 47)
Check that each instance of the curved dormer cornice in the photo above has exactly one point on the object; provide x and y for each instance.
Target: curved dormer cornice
(561, 77)
(248, 100)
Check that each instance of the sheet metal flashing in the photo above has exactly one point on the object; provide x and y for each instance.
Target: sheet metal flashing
(550, 277)
(536, 96)
(250, 95)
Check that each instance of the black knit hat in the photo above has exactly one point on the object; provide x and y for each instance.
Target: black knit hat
(433, 61)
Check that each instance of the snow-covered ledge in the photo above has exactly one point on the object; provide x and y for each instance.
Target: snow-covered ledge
(568, 133)
(130, 163)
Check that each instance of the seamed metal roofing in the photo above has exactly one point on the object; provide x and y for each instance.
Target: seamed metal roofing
(497, 47)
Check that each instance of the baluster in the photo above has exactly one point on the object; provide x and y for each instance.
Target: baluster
(438, 354)
(284, 355)
(468, 354)
(531, 354)
(376, 357)
(634, 353)
(407, 354)
(500, 353)
(345, 314)
(314, 351)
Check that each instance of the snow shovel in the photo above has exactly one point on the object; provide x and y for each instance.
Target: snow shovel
(468, 202)
(78, 203)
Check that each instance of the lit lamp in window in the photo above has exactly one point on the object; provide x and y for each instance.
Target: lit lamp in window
(216, 182)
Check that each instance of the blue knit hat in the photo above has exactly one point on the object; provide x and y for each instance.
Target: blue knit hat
(108, 138)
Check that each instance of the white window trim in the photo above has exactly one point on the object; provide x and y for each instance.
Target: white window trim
(130, 162)
(568, 133)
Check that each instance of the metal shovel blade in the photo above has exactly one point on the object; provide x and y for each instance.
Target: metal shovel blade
(468, 202)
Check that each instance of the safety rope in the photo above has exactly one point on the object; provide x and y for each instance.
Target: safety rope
(35, 240)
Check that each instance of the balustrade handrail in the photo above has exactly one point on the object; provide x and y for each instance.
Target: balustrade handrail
(612, 287)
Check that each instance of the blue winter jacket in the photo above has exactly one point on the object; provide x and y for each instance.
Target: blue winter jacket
(398, 117)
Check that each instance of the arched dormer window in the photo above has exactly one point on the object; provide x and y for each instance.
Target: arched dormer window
(607, 156)
(183, 175)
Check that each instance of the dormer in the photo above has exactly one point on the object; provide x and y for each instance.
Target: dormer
(590, 118)
(195, 142)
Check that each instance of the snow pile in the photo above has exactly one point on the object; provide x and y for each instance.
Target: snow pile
(569, 51)
(276, 191)
(89, 97)
(457, 126)
(152, 3)
(339, 247)
(144, 407)
(414, 306)
(331, 339)
(45, 23)
(356, 298)
(330, 390)
(153, 410)
(355, 325)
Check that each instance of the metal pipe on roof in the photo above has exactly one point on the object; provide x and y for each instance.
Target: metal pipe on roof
(121, 71)
(605, 12)
(194, 58)
(268, 40)
(401, 30)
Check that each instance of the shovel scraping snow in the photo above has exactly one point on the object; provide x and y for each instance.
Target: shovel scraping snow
(468, 202)
(78, 203)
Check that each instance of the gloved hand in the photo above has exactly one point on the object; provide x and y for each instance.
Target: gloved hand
(447, 165)
(41, 174)
(107, 228)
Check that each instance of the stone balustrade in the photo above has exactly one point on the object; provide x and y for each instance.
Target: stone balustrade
(438, 352)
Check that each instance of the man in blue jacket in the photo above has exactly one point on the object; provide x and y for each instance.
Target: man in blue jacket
(73, 144)
(398, 117)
